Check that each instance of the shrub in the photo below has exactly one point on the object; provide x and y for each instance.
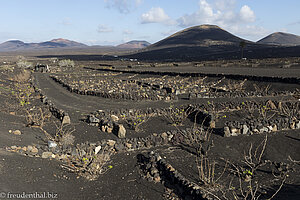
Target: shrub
(67, 139)
(24, 64)
(66, 63)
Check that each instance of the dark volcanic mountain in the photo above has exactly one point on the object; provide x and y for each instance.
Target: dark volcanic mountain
(17, 45)
(134, 44)
(204, 36)
(283, 39)
(193, 43)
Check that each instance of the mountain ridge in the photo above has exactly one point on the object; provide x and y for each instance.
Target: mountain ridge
(134, 44)
(281, 39)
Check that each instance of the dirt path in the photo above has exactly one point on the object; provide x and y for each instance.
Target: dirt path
(84, 104)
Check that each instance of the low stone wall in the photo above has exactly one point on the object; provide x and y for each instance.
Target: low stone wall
(116, 95)
(237, 94)
(230, 76)
(157, 169)
(58, 113)
(258, 126)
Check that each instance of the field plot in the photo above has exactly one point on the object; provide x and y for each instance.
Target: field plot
(186, 134)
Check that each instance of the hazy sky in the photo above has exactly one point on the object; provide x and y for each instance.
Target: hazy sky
(111, 22)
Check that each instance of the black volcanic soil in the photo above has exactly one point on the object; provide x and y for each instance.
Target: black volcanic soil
(123, 181)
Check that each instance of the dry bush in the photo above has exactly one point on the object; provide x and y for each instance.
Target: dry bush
(89, 165)
(176, 116)
(289, 109)
(253, 159)
(66, 63)
(262, 90)
(64, 135)
(37, 117)
(236, 86)
(134, 121)
(249, 185)
(24, 64)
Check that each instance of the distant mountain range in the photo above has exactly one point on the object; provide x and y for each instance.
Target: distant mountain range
(134, 44)
(17, 45)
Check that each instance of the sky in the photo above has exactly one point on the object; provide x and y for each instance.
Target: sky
(112, 22)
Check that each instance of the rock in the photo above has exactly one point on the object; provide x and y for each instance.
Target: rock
(34, 150)
(97, 149)
(234, 132)
(52, 144)
(157, 179)
(103, 128)
(264, 130)
(270, 128)
(275, 128)
(245, 129)
(114, 118)
(164, 135)
(128, 145)
(121, 131)
(47, 154)
(17, 132)
(24, 148)
(292, 125)
(153, 171)
(66, 120)
(109, 130)
(119, 147)
(298, 125)
(29, 147)
(111, 142)
(227, 131)
(93, 119)
(13, 147)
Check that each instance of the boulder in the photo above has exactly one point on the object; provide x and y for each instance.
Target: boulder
(17, 132)
(121, 131)
(114, 118)
(109, 130)
(245, 129)
(97, 149)
(111, 142)
(47, 154)
(298, 125)
(66, 120)
(52, 144)
(227, 132)
(34, 150)
(92, 119)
